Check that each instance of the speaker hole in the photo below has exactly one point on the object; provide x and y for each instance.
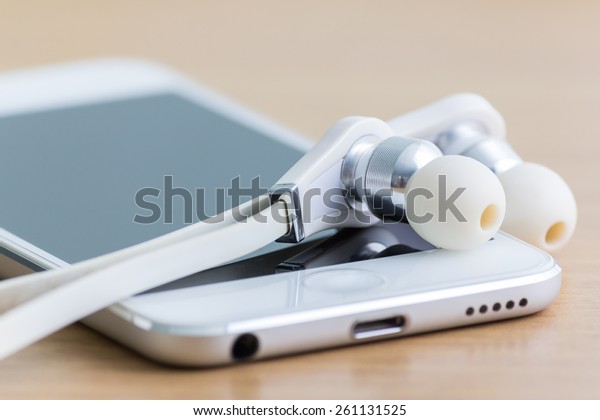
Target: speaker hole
(496, 307)
(555, 233)
(523, 302)
(483, 309)
(489, 217)
(470, 311)
(510, 304)
(244, 347)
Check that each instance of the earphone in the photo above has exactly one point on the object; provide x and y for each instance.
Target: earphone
(540, 207)
(376, 172)
(370, 174)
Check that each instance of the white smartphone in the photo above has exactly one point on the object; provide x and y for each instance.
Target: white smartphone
(100, 155)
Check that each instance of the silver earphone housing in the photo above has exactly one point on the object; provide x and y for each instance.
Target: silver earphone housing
(470, 138)
(375, 173)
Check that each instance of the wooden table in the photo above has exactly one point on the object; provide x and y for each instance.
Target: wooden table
(307, 64)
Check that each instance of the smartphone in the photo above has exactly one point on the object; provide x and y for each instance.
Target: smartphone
(103, 154)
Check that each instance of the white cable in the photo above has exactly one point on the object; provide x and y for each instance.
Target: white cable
(39, 304)
(21, 289)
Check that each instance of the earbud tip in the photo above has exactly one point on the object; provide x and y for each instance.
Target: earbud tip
(455, 202)
(540, 207)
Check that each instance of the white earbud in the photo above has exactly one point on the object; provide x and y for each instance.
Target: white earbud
(482, 204)
(540, 207)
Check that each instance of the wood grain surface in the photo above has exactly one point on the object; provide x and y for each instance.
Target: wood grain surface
(306, 64)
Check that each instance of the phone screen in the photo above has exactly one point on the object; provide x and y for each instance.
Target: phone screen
(82, 181)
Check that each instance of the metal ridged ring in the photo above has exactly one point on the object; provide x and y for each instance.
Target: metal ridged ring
(379, 183)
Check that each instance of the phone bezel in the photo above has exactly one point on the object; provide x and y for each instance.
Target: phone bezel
(329, 327)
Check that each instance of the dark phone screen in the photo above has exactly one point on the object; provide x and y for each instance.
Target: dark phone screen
(83, 181)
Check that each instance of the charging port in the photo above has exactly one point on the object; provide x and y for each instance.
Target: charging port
(378, 327)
